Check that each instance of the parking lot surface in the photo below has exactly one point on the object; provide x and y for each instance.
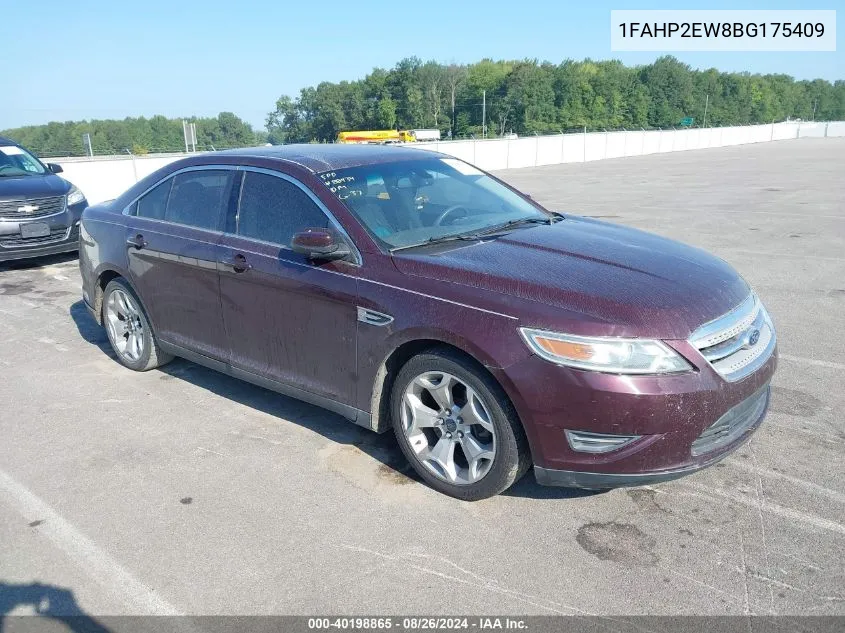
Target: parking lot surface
(185, 491)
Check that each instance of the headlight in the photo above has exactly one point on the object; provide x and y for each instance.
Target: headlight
(605, 354)
(74, 196)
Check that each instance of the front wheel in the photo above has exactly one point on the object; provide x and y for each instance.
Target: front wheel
(128, 329)
(456, 426)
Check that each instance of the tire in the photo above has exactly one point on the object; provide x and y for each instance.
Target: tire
(129, 330)
(489, 450)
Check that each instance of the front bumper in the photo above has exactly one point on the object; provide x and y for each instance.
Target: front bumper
(600, 481)
(66, 244)
(63, 238)
(668, 413)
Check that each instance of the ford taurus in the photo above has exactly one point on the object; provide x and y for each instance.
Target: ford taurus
(409, 290)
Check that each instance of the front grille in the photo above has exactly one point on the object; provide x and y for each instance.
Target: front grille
(731, 426)
(33, 208)
(16, 241)
(739, 342)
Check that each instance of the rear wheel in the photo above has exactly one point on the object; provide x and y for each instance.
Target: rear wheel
(456, 426)
(128, 329)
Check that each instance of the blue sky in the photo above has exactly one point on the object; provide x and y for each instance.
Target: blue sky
(114, 58)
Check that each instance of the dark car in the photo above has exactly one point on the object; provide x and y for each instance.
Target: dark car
(408, 289)
(39, 211)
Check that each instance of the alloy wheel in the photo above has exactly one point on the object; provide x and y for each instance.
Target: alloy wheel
(126, 330)
(448, 427)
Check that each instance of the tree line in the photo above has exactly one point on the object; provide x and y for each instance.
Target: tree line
(135, 135)
(527, 97)
(489, 98)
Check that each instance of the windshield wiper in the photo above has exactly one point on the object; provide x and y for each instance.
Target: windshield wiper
(477, 235)
(511, 223)
(471, 237)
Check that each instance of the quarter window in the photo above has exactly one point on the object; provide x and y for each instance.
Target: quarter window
(273, 209)
(153, 203)
(199, 197)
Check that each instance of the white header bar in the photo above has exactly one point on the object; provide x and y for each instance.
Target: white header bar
(724, 30)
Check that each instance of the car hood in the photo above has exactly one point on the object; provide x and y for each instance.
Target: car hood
(28, 187)
(598, 278)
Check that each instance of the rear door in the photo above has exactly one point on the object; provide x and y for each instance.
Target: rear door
(172, 242)
(289, 320)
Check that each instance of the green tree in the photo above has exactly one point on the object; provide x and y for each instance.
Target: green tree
(529, 99)
(432, 80)
(669, 83)
(285, 123)
(455, 76)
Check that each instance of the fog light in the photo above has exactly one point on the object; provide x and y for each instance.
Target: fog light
(585, 442)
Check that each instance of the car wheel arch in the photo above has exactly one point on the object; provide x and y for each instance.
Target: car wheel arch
(396, 359)
(103, 278)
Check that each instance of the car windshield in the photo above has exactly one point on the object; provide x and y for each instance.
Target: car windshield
(407, 203)
(16, 161)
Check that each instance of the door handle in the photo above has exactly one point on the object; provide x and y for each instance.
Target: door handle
(237, 263)
(138, 241)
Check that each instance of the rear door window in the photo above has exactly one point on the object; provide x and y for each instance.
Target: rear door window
(153, 204)
(272, 209)
(198, 198)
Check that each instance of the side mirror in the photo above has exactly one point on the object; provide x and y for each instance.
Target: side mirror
(55, 168)
(319, 244)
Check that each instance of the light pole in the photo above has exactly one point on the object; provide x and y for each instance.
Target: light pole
(483, 114)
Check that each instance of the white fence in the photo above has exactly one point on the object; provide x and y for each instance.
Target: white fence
(534, 151)
(107, 177)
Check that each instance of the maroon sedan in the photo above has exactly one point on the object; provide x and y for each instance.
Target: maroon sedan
(409, 290)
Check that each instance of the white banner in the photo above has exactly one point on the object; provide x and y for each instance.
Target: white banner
(724, 30)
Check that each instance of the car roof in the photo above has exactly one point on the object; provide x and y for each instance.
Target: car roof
(6, 141)
(328, 156)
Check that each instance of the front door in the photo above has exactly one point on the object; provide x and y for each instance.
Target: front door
(172, 244)
(289, 320)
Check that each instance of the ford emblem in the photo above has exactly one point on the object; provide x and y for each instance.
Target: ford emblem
(753, 337)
